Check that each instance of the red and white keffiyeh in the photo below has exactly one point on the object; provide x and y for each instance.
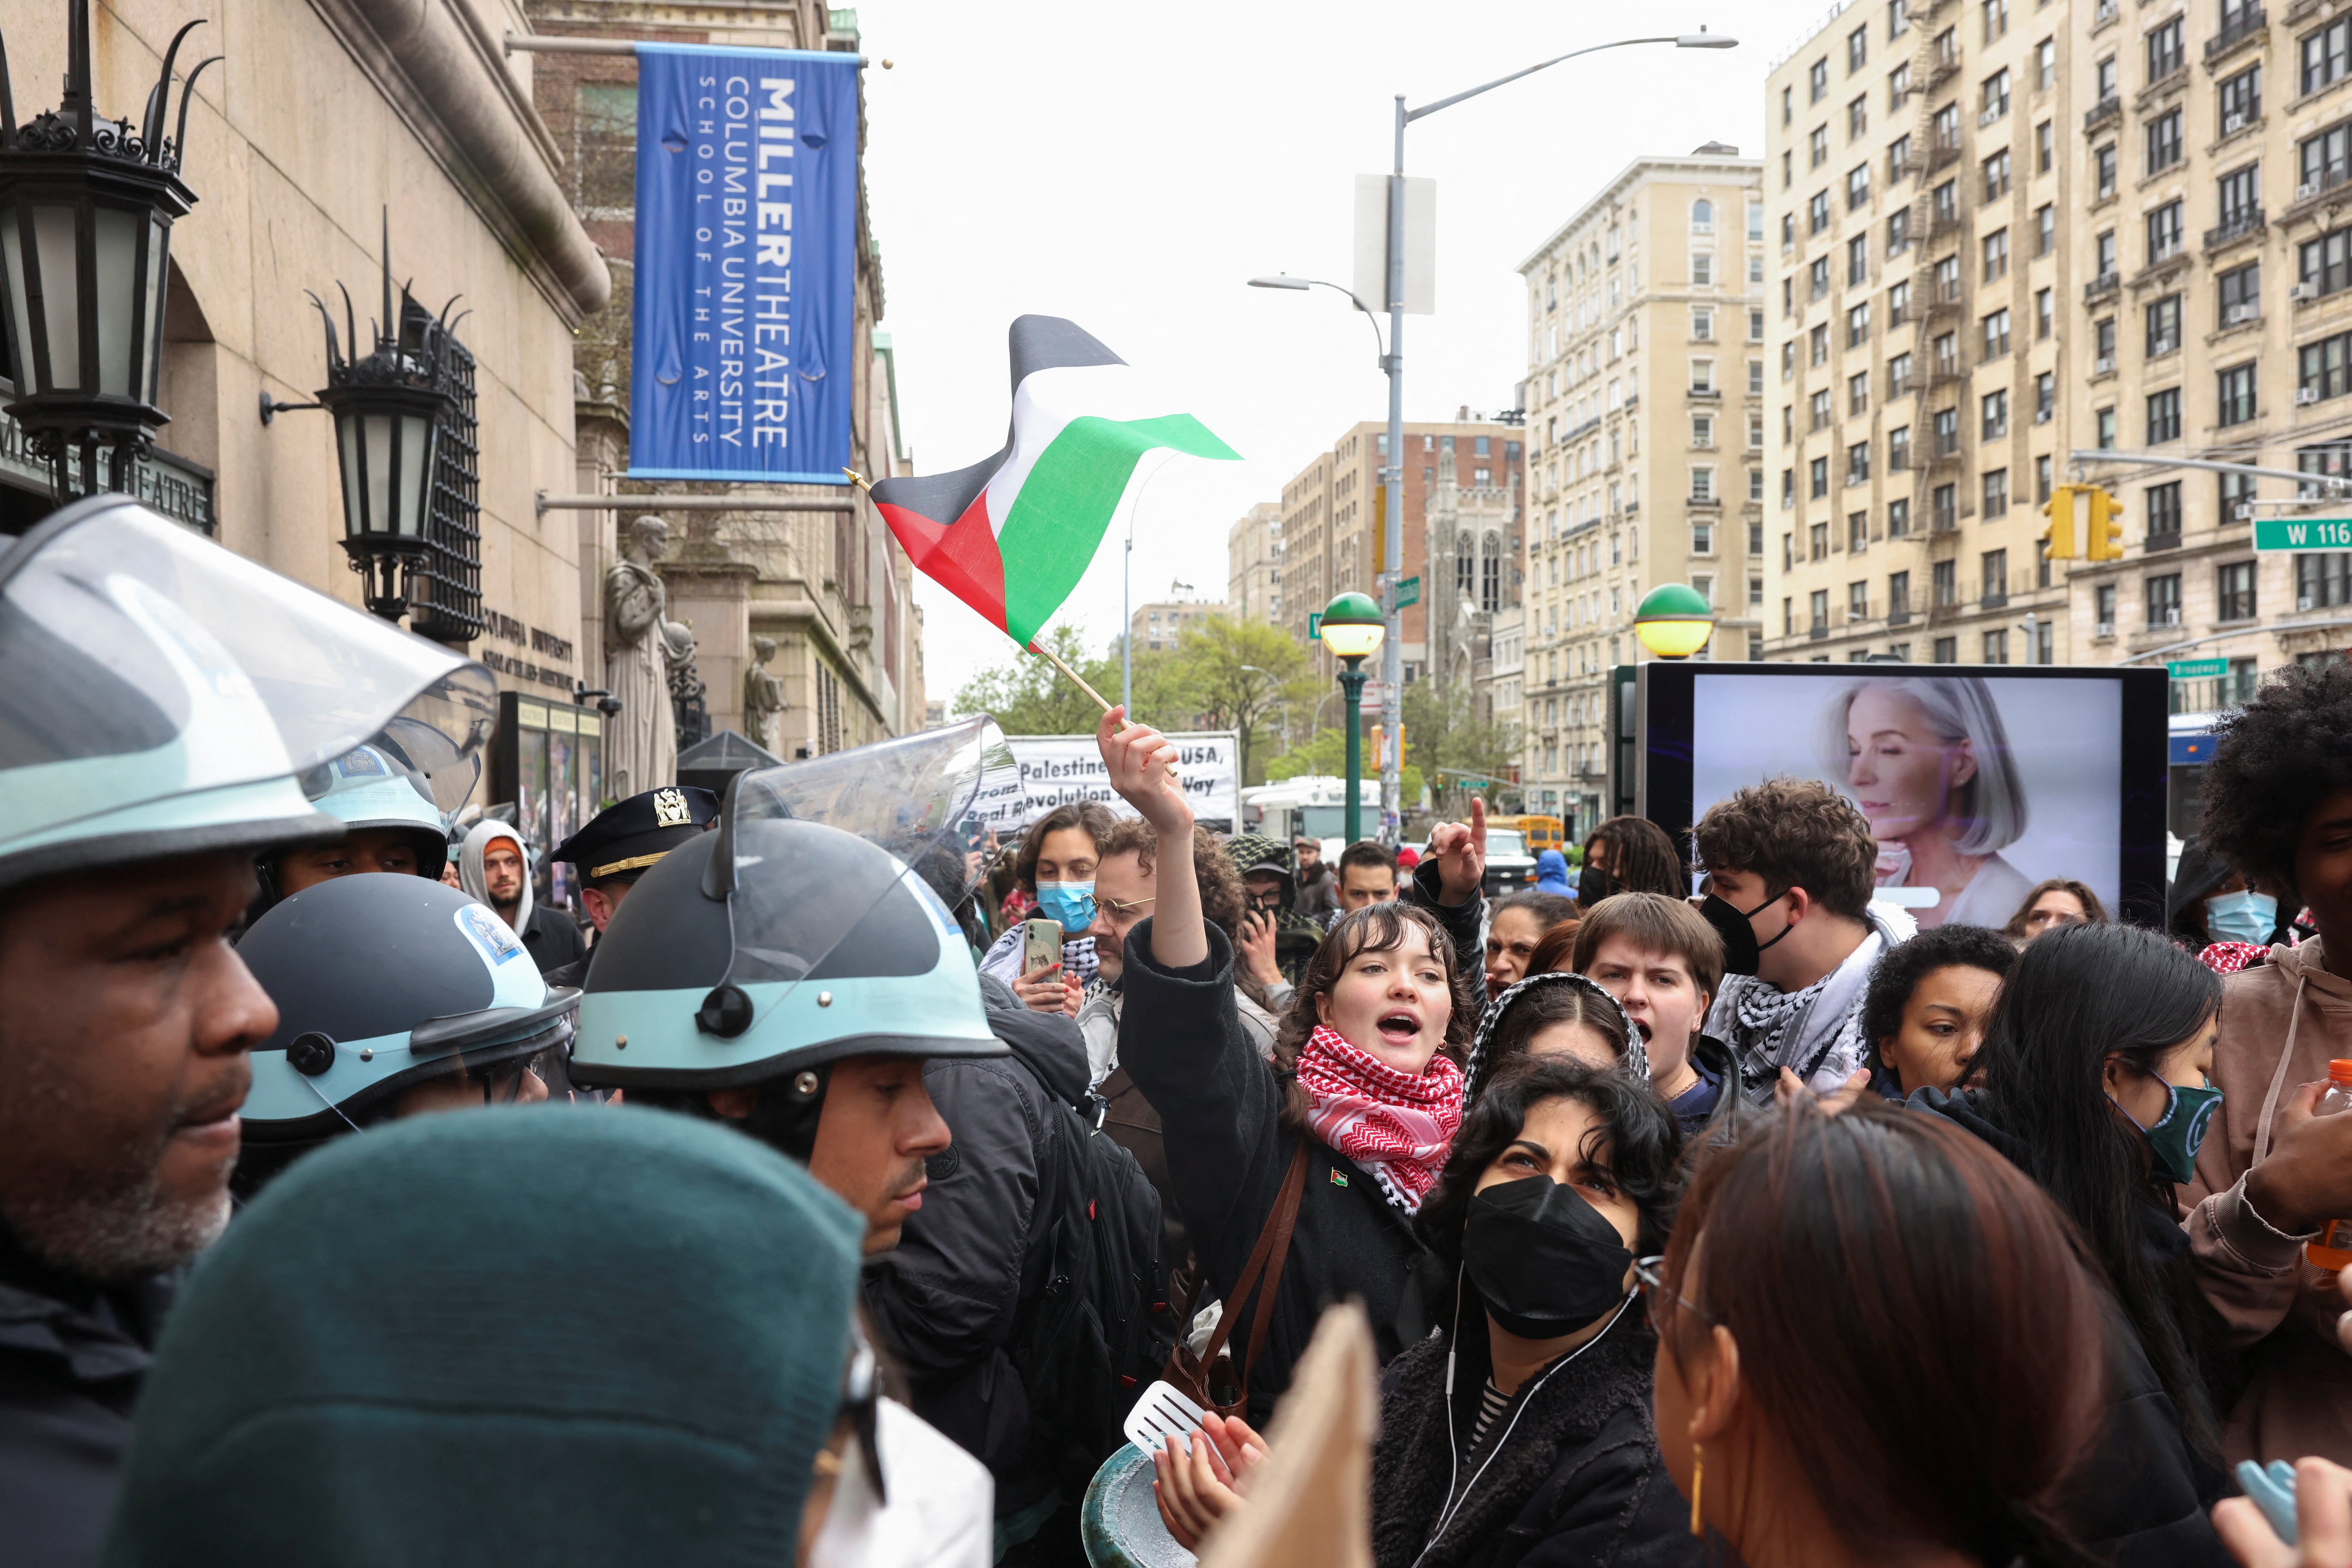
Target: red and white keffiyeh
(1396, 1125)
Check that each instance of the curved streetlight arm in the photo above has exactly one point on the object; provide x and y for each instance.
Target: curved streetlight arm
(1284, 281)
(1701, 40)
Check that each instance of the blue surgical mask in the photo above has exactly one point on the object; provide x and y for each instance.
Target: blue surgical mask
(2244, 916)
(1070, 903)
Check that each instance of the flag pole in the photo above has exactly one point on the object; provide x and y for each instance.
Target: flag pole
(1039, 649)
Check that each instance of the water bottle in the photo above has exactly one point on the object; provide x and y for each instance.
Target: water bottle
(2332, 1249)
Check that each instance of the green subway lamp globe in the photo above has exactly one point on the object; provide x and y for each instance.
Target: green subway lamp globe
(1674, 621)
(1352, 626)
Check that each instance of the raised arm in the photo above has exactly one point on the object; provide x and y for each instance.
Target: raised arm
(1142, 766)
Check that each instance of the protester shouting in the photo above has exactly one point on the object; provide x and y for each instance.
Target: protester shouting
(1928, 1005)
(2094, 1073)
(2278, 811)
(1830, 1391)
(1520, 1431)
(1790, 864)
(1515, 924)
(1370, 1088)
(1658, 958)
(1553, 1013)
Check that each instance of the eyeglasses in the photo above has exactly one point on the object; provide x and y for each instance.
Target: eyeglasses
(1120, 910)
(1650, 1274)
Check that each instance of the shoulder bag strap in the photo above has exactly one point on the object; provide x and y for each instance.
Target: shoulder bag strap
(1281, 1222)
(1280, 1219)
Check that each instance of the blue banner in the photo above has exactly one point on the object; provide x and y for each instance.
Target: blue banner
(746, 264)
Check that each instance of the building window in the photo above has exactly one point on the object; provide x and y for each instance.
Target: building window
(1996, 492)
(1948, 650)
(1947, 508)
(1995, 247)
(2045, 230)
(1946, 584)
(1817, 343)
(2239, 293)
(1817, 79)
(1857, 463)
(2164, 600)
(1703, 485)
(2324, 265)
(2320, 368)
(2041, 486)
(605, 151)
(2166, 50)
(1899, 374)
(2325, 55)
(1857, 187)
(1818, 542)
(1996, 19)
(1857, 119)
(1857, 602)
(1898, 19)
(1898, 518)
(1817, 212)
(2107, 75)
(1702, 539)
(2322, 580)
(1996, 176)
(2103, 610)
(1996, 335)
(2241, 100)
(2323, 160)
(2103, 171)
(1898, 449)
(2163, 318)
(1996, 646)
(2163, 514)
(1898, 303)
(1820, 409)
(1819, 473)
(1857, 260)
(2233, 591)
(2237, 490)
(2333, 458)
(2103, 423)
(1857, 325)
(1992, 101)
(2046, 398)
(1948, 432)
(1857, 393)
(2164, 141)
(1993, 408)
(2164, 233)
(1899, 232)
(2234, 390)
(2240, 199)
(1898, 594)
(2045, 316)
(1701, 323)
(2164, 416)
(1857, 533)
(1702, 270)
(1756, 335)
(2045, 147)
(1818, 277)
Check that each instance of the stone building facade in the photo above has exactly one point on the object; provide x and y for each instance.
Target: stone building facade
(833, 591)
(326, 122)
(1644, 403)
(1253, 565)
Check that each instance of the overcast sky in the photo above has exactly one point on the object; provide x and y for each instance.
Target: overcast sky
(1130, 166)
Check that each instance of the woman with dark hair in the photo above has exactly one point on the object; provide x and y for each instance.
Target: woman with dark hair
(1519, 1432)
(1930, 1000)
(1347, 1128)
(1553, 1013)
(2055, 901)
(1629, 855)
(1872, 1340)
(1056, 866)
(2094, 1083)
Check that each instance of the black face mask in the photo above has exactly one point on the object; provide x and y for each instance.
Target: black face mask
(1544, 1260)
(1594, 884)
(1741, 952)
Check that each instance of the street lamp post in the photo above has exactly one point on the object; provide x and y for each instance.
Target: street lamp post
(86, 211)
(1353, 629)
(1392, 361)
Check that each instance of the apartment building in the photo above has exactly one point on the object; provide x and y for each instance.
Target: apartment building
(1462, 480)
(1161, 626)
(2215, 320)
(1921, 174)
(1253, 565)
(1646, 398)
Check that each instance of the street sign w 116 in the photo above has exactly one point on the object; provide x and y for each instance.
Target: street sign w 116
(2302, 532)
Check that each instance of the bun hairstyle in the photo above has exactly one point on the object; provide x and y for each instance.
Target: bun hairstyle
(1946, 1391)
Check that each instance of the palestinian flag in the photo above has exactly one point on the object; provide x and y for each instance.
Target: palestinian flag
(1012, 536)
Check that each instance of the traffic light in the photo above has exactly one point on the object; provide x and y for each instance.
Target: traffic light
(2060, 535)
(2104, 533)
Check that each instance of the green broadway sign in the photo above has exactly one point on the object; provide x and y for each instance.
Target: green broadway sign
(2196, 668)
(2302, 533)
(1408, 593)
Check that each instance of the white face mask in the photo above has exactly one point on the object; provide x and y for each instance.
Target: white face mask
(941, 1512)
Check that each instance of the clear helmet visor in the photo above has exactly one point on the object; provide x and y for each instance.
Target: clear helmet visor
(911, 814)
(157, 679)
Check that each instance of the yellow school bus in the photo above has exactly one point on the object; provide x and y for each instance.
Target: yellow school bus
(1541, 833)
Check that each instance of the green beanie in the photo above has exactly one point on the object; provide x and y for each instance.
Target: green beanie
(507, 1336)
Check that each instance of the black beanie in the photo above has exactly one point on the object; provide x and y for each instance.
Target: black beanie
(533, 1335)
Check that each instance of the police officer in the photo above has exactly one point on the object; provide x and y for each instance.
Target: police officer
(383, 793)
(163, 700)
(395, 997)
(620, 842)
(789, 979)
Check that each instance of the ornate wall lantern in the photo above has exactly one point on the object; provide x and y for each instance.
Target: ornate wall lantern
(387, 409)
(86, 211)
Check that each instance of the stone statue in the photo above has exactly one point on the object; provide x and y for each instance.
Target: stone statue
(764, 696)
(642, 648)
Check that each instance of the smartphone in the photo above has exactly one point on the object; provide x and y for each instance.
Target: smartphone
(1040, 944)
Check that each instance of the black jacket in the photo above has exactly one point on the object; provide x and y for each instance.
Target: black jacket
(1579, 1480)
(2140, 1498)
(1181, 1038)
(1466, 923)
(552, 940)
(72, 1359)
(944, 1302)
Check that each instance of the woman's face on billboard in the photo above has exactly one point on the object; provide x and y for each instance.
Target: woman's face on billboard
(1900, 771)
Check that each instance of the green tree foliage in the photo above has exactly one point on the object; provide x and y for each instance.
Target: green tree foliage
(1327, 754)
(1247, 677)
(1445, 734)
(1030, 697)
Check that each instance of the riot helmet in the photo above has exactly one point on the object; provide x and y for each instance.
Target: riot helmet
(166, 696)
(383, 984)
(811, 925)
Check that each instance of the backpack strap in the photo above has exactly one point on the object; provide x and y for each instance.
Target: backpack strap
(1273, 1244)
